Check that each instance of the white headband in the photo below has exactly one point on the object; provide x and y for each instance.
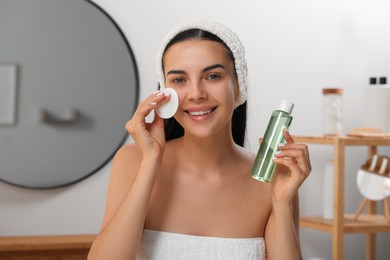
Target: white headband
(227, 36)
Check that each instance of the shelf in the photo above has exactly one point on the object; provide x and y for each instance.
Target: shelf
(342, 223)
(364, 224)
(45, 243)
(346, 140)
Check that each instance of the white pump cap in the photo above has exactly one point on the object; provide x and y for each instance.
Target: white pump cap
(286, 106)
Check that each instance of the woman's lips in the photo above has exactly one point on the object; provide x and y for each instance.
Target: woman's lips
(200, 113)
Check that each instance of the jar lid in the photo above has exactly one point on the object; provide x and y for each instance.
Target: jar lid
(332, 91)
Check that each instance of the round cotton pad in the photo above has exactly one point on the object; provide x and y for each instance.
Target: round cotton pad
(168, 110)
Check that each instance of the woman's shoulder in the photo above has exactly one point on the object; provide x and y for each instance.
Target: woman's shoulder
(127, 157)
(248, 160)
(129, 149)
(246, 155)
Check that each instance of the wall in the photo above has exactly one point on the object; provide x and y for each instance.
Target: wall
(294, 49)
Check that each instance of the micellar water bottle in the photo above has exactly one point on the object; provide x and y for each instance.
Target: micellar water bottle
(263, 167)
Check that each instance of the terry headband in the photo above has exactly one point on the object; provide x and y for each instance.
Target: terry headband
(227, 36)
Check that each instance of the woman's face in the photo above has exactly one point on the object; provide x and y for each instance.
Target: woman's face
(203, 75)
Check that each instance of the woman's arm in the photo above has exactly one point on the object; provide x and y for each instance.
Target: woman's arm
(282, 233)
(296, 214)
(126, 208)
(132, 178)
(282, 229)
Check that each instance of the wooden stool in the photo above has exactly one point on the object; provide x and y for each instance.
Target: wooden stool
(373, 180)
(364, 203)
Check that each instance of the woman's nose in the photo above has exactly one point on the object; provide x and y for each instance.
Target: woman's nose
(197, 91)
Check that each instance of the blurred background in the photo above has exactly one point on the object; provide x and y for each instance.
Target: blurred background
(294, 50)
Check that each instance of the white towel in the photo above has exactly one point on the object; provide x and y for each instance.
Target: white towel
(165, 245)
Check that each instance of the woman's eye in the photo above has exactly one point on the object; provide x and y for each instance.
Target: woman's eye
(178, 80)
(213, 76)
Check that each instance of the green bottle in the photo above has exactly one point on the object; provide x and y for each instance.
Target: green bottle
(263, 167)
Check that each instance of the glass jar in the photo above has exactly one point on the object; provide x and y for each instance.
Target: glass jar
(332, 111)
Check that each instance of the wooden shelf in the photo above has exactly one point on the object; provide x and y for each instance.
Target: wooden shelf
(341, 223)
(347, 140)
(72, 247)
(364, 224)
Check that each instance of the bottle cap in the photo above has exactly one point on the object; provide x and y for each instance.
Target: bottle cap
(286, 106)
(168, 110)
(383, 80)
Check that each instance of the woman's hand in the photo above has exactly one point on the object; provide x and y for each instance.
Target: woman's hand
(292, 168)
(150, 137)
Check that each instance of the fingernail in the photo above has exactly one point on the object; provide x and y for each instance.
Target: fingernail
(282, 145)
(277, 152)
(159, 93)
(153, 103)
(167, 94)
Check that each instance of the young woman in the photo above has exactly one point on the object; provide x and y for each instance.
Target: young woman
(184, 191)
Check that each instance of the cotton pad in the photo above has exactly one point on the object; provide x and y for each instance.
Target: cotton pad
(168, 110)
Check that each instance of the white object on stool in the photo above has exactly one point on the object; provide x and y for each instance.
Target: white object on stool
(373, 186)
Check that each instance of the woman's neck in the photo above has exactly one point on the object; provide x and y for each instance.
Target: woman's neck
(209, 153)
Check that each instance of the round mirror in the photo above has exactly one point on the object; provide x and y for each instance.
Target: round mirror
(68, 84)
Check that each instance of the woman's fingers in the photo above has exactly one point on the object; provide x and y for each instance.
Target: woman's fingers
(145, 107)
(289, 163)
(151, 103)
(299, 170)
(298, 151)
(294, 155)
(288, 137)
(148, 133)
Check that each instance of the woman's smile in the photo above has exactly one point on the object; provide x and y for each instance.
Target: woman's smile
(200, 113)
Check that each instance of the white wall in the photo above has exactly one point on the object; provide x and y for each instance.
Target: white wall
(294, 49)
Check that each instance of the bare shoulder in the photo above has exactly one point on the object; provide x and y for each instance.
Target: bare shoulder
(129, 149)
(247, 154)
(245, 157)
(127, 155)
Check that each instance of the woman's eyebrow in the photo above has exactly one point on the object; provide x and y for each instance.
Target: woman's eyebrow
(176, 72)
(213, 67)
(182, 72)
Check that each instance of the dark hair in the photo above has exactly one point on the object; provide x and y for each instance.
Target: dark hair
(173, 129)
